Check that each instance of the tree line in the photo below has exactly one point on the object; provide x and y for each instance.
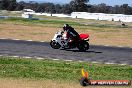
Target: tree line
(73, 6)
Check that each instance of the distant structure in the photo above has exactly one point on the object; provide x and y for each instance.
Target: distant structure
(102, 16)
(27, 13)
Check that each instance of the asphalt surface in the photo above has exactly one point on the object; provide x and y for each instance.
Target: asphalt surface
(101, 54)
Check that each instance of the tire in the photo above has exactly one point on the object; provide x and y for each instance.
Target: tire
(83, 46)
(55, 45)
(86, 45)
(84, 81)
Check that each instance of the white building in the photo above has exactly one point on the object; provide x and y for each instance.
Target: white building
(102, 16)
(28, 13)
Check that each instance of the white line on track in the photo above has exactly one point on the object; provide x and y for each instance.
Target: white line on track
(29, 40)
(120, 46)
(95, 62)
(15, 39)
(15, 56)
(80, 61)
(27, 57)
(3, 38)
(55, 59)
(41, 41)
(40, 58)
(23, 40)
(109, 63)
(68, 60)
(106, 45)
(123, 64)
(1, 55)
(45, 41)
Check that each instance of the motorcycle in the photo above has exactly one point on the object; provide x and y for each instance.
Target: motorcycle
(59, 41)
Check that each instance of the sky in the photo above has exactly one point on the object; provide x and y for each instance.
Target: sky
(108, 2)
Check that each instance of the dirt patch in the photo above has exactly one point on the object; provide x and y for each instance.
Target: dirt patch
(112, 37)
(23, 83)
(36, 33)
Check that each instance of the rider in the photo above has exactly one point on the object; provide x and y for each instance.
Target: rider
(71, 34)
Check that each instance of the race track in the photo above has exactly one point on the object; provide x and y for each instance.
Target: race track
(101, 54)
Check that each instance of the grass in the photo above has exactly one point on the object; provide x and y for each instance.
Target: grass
(89, 23)
(54, 23)
(59, 70)
(58, 23)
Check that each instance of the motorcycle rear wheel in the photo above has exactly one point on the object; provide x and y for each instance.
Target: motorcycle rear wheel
(83, 46)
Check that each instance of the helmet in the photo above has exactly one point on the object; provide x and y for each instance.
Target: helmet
(65, 27)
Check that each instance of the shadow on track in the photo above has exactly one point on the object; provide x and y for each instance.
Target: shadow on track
(81, 51)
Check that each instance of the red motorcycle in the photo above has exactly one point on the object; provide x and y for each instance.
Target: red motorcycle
(58, 42)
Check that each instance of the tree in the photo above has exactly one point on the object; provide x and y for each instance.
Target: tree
(125, 8)
(79, 5)
(12, 6)
(20, 6)
(7, 4)
(66, 9)
(49, 8)
(116, 9)
(4, 4)
(1, 5)
(58, 8)
(103, 8)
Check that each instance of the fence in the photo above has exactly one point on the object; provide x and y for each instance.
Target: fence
(94, 16)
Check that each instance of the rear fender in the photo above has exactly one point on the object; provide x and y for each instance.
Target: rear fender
(84, 37)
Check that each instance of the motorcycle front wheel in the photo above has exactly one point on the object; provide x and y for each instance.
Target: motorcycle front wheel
(55, 45)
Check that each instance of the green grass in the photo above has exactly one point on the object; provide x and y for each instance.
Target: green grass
(46, 22)
(59, 70)
(59, 23)
(89, 23)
